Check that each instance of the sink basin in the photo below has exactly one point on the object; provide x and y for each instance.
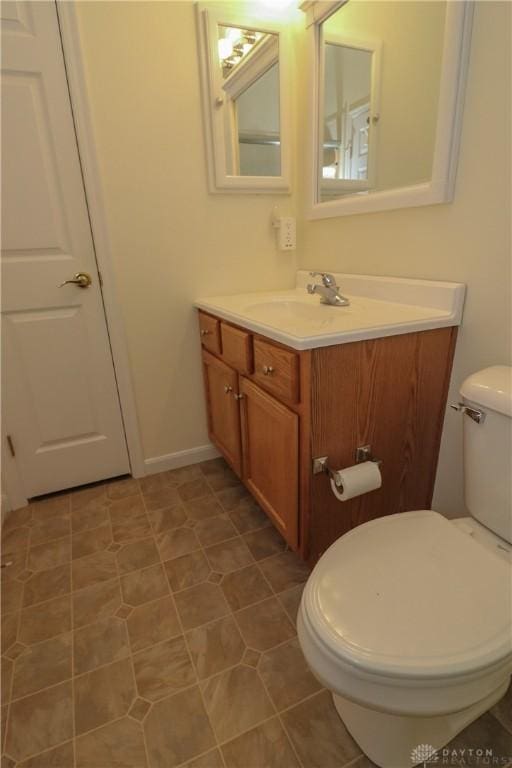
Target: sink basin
(379, 306)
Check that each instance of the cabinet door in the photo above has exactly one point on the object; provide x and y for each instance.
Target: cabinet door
(270, 436)
(221, 383)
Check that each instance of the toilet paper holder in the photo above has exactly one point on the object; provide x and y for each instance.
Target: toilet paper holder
(362, 453)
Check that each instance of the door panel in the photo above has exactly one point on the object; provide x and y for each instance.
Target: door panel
(221, 384)
(60, 402)
(270, 435)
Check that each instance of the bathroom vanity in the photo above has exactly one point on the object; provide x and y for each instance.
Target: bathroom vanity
(288, 379)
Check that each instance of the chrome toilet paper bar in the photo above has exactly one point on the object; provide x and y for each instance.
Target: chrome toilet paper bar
(362, 453)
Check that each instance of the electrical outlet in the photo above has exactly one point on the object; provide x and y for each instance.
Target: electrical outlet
(287, 234)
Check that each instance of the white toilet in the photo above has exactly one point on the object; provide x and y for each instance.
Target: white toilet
(407, 619)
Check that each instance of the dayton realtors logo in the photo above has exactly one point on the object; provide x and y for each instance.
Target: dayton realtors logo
(425, 755)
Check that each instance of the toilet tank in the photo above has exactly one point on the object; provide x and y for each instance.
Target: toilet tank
(488, 449)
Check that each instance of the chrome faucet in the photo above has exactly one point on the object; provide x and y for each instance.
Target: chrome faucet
(329, 292)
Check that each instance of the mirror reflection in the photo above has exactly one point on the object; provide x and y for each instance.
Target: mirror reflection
(380, 65)
(249, 62)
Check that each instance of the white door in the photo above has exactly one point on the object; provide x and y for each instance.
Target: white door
(60, 401)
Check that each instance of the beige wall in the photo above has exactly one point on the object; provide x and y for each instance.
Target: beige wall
(172, 241)
(467, 241)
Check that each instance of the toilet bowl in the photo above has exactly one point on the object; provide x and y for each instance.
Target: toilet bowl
(407, 618)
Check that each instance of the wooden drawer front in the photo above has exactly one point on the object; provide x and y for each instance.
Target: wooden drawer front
(209, 328)
(236, 348)
(277, 370)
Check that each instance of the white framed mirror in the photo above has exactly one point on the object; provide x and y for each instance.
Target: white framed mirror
(245, 82)
(387, 81)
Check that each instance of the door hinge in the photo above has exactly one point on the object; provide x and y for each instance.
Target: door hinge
(11, 446)
(100, 279)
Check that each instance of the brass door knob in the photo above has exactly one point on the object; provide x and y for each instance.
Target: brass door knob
(82, 279)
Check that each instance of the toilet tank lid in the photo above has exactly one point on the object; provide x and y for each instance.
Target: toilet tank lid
(490, 388)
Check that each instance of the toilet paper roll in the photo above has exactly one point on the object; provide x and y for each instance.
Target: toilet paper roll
(356, 480)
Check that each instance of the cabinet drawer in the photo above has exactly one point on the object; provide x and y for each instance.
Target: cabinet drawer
(236, 348)
(209, 328)
(277, 370)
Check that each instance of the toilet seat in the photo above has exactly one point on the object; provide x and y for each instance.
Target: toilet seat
(391, 598)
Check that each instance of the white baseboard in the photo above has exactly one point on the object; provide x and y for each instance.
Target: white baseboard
(180, 459)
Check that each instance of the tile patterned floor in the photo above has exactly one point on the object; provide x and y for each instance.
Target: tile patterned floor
(151, 624)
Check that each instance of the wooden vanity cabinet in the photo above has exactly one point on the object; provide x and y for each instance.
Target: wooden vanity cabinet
(389, 393)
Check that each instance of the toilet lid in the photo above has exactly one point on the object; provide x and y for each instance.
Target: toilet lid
(412, 595)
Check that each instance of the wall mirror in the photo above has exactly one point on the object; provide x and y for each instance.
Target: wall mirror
(245, 89)
(386, 96)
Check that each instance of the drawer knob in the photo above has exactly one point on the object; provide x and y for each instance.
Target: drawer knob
(204, 332)
(238, 396)
(268, 370)
(227, 389)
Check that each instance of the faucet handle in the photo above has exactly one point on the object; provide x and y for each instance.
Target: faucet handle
(327, 279)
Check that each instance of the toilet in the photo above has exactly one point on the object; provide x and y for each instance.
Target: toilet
(407, 619)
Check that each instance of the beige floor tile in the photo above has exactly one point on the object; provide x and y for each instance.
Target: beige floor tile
(49, 555)
(211, 759)
(188, 570)
(100, 643)
(132, 528)
(201, 604)
(248, 516)
(154, 482)
(229, 556)
(120, 489)
(142, 586)
(318, 734)
(6, 674)
(231, 497)
(40, 721)
(167, 518)
(193, 489)
(153, 622)
(215, 647)
(17, 517)
(103, 695)
(286, 675)
(40, 622)
(162, 498)
(163, 669)
(244, 587)
(218, 474)
(85, 519)
(290, 600)
(117, 745)
(58, 757)
(502, 710)
(190, 735)
(43, 665)
(177, 477)
(199, 509)
(137, 555)
(55, 528)
(484, 733)
(91, 499)
(264, 625)
(46, 585)
(9, 632)
(93, 569)
(265, 542)
(128, 508)
(264, 746)
(213, 530)
(14, 563)
(235, 701)
(15, 539)
(139, 709)
(176, 542)
(91, 541)
(4, 711)
(12, 594)
(53, 505)
(96, 603)
(284, 571)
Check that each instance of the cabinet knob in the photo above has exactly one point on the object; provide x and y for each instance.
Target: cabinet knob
(227, 389)
(268, 370)
(204, 332)
(238, 396)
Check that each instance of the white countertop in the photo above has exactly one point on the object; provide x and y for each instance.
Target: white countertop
(379, 306)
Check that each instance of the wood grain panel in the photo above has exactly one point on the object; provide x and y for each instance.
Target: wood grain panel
(270, 437)
(236, 348)
(221, 383)
(282, 366)
(209, 329)
(390, 393)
